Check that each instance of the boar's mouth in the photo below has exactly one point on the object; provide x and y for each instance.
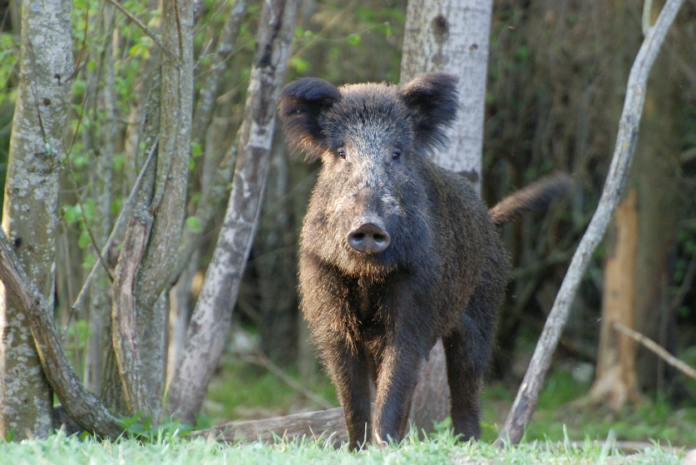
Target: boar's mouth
(369, 236)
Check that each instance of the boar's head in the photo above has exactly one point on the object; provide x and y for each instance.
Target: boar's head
(369, 211)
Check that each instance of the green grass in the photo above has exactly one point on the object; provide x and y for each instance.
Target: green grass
(239, 391)
(441, 449)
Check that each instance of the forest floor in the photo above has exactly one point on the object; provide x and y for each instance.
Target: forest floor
(240, 391)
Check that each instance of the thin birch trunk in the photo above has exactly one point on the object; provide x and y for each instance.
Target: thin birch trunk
(208, 330)
(528, 393)
(449, 36)
(29, 211)
(220, 60)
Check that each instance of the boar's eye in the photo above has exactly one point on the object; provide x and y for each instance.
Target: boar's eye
(342, 154)
(396, 154)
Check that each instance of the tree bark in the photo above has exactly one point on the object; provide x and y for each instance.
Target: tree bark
(169, 202)
(37, 310)
(615, 382)
(210, 323)
(29, 212)
(528, 393)
(449, 36)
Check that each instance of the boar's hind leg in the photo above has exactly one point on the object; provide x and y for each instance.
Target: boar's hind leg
(468, 351)
(349, 371)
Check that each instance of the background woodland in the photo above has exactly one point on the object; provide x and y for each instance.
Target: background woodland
(556, 83)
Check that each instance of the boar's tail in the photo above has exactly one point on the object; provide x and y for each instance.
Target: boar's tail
(533, 197)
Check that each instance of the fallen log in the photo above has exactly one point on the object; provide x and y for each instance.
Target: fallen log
(322, 424)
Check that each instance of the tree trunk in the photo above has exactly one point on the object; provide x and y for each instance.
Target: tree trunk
(211, 319)
(169, 197)
(615, 382)
(449, 36)
(29, 212)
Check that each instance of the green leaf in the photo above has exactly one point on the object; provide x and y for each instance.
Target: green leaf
(195, 149)
(353, 39)
(193, 223)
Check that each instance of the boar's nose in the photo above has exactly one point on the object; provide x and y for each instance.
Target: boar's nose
(369, 238)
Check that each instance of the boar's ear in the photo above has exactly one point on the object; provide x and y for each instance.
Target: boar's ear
(433, 101)
(301, 105)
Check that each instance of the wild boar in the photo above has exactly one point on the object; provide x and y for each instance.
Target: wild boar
(395, 251)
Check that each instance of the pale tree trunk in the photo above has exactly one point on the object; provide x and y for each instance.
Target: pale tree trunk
(615, 382)
(211, 319)
(449, 36)
(29, 212)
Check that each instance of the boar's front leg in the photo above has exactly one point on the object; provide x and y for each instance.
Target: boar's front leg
(349, 370)
(408, 340)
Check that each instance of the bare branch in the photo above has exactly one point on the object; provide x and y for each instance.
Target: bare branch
(528, 394)
(145, 29)
(208, 93)
(81, 405)
(125, 211)
(100, 259)
(656, 349)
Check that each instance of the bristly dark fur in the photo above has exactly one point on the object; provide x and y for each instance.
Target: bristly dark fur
(301, 104)
(433, 100)
(534, 197)
(375, 316)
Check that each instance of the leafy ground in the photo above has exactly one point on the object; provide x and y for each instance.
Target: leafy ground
(438, 450)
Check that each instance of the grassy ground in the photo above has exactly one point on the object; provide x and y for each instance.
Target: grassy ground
(242, 392)
(438, 450)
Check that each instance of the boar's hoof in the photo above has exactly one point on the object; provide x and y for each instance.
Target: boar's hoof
(369, 238)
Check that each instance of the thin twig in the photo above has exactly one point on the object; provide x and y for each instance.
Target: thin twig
(92, 239)
(84, 46)
(259, 358)
(117, 226)
(656, 349)
(145, 29)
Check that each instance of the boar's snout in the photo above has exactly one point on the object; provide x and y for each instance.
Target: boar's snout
(369, 237)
